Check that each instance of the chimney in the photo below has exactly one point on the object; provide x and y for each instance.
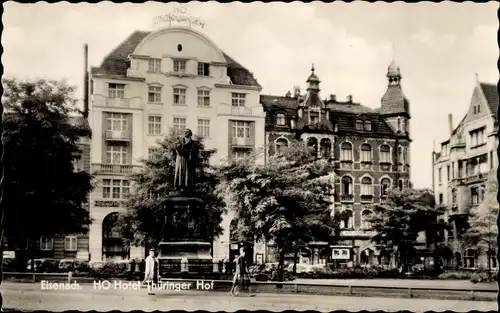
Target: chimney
(288, 94)
(296, 91)
(333, 98)
(349, 98)
(450, 123)
(86, 82)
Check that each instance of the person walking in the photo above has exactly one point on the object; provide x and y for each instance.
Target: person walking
(236, 276)
(151, 271)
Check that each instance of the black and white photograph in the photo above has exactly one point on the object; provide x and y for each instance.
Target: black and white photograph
(249, 156)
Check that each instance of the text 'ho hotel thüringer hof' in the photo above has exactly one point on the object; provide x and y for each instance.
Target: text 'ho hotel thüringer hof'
(177, 78)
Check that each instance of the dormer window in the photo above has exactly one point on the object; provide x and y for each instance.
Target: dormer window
(359, 125)
(155, 65)
(314, 118)
(238, 99)
(180, 66)
(368, 125)
(280, 119)
(203, 69)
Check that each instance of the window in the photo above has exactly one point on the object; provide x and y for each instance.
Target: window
(368, 125)
(385, 154)
(346, 219)
(454, 196)
(406, 160)
(477, 137)
(399, 124)
(179, 125)
(448, 172)
(314, 117)
(77, 164)
(204, 98)
(116, 154)
(400, 155)
(365, 219)
(492, 160)
(281, 145)
(366, 153)
(346, 185)
(154, 65)
(241, 129)
(46, 243)
(180, 66)
(346, 152)
(180, 96)
(401, 184)
(203, 69)
(154, 125)
(385, 185)
(70, 243)
(115, 188)
(241, 153)
(204, 128)
(470, 258)
(440, 175)
(366, 186)
(280, 119)
(154, 94)
(359, 125)
(116, 90)
(151, 152)
(238, 99)
(117, 121)
(441, 198)
(474, 192)
(493, 259)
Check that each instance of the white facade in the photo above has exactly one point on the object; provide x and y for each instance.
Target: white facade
(177, 78)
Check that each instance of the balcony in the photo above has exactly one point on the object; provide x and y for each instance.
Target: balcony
(346, 198)
(366, 198)
(458, 144)
(115, 169)
(123, 103)
(226, 109)
(475, 178)
(117, 135)
(243, 142)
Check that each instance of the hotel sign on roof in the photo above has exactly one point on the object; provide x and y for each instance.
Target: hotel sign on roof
(178, 15)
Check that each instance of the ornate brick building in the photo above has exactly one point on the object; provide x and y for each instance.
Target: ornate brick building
(369, 148)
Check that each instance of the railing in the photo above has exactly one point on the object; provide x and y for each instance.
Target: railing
(243, 142)
(115, 169)
(117, 135)
(126, 103)
(226, 109)
(346, 198)
(366, 198)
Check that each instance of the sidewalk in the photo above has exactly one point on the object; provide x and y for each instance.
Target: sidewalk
(30, 297)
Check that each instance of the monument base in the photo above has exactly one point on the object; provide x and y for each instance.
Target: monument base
(185, 249)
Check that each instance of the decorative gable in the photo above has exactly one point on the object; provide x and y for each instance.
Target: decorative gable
(478, 106)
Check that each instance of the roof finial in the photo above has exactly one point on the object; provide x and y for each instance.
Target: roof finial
(312, 68)
(392, 46)
(477, 77)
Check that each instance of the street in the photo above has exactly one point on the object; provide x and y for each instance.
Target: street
(26, 296)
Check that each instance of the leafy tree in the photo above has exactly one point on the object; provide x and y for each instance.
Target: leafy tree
(43, 196)
(399, 220)
(482, 233)
(286, 201)
(147, 220)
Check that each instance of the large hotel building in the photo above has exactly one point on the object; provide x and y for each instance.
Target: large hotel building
(177, 78)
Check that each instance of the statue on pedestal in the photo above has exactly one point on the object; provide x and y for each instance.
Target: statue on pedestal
(186, 158)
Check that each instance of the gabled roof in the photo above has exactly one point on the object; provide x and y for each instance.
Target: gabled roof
(491, 93)
(116, 63)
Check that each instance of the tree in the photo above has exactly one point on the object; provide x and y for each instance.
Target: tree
(399, 220)
(1, 201)
(482, 233)
(146, 218)
(43, 196)
(286, 201)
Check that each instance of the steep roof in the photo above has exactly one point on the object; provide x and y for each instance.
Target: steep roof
(116, 63)
(491, 93)
(394, 101)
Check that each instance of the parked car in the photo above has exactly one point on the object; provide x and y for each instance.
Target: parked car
(306, 268)
(43, 265)
(67, 265)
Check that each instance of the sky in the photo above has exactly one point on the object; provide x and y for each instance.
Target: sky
(439, 47)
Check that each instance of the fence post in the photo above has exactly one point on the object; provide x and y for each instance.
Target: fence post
(296, 288)
(349, 290)
(70, 275)
(472, 296)
(34, 278)
(410, 293)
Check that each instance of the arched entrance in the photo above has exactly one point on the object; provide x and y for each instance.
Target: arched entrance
(368, 257)
(113, 246)
(446, 257)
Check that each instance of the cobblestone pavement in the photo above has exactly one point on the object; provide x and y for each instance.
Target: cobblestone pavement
(27, 296)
